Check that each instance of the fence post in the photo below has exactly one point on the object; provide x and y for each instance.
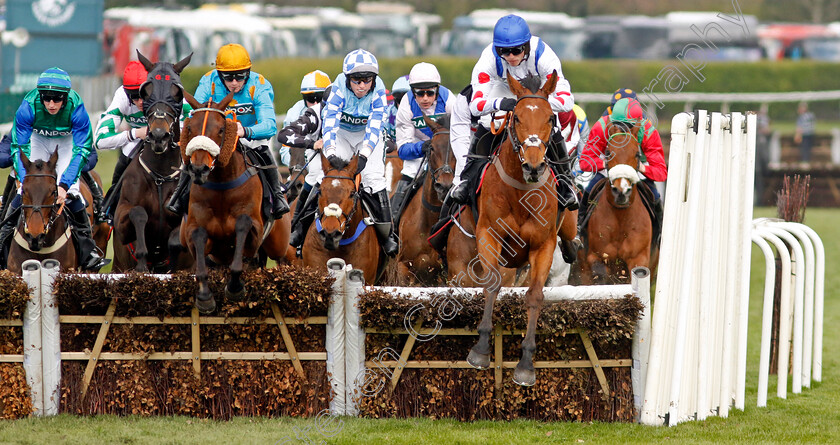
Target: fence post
(641, 338)
(50, 338)
(335, 338)
(355, 341)
(32, 336)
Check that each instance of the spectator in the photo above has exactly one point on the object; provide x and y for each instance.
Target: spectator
(804, 136)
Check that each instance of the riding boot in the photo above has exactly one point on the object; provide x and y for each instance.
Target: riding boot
(584, 207)
(399, 196)
(279, 206)
(110, 202)
(561, 165)
(439, 232)
(7, 229)
(383, 224)
(179, 201)
(304, 215)
(96, 193)
(90, 257)
(658, 213)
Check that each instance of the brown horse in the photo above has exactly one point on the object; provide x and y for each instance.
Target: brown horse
(225, 219)
(147, 234)
(43, 231)
(417, 261)
(393, 171)
(341, 229)
(518, 216)
(620, 229)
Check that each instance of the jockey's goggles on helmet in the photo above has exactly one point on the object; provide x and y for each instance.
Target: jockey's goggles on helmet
(429, 93)
(53, 96)
(316, 97)
(231, 76)
(132, 94)
(516, 50)
(358, 80)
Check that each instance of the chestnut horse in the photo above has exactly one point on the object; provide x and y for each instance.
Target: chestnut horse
(417, 261)
(225, 218)
(341, 229)
(147, 235)
(519, 216)
(43, 231)
(619, 231)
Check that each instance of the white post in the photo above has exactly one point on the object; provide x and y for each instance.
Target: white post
(640, 281)
(50, 338)
(819, 288)
(32, 361)
(335, 338)
(767, 316)
(355, 341)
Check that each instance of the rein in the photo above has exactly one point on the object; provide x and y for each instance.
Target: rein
(347, 217)
(54, 214)
(445, 168)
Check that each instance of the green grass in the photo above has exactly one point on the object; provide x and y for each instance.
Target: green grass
(809, 417)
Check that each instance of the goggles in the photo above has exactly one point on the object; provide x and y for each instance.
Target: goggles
(230, 77)
(516, 50)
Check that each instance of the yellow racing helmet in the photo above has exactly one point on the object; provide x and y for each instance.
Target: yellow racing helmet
(315, 82)
(233, 57)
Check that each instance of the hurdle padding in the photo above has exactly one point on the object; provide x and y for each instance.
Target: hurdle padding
(21, 371)
(698, 338)
(363, 365)
(802, 256)
(44, 328)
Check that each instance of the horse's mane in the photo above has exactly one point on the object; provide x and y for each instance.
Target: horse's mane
(39, 165)
(532, 82)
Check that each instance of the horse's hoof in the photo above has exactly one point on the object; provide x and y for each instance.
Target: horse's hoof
(234, 296)
(478, 360)
(205, 306)
(524, 377)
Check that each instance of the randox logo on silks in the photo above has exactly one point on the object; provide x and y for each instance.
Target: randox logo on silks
(353, 120)
(419, 123)
(137, 120)
(241, 109)
(53, 12)
(51, 133)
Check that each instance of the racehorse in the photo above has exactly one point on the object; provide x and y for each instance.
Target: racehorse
(340, 229)
(518, 216)
(619, 229)
(147, 235)
(225, 221)
(43, 230)
(417, 260)
(393, 170)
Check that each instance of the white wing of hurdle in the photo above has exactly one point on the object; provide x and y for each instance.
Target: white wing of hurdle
(698, 348)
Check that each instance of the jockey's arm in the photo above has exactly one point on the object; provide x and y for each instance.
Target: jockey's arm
(656, 169)
(409, 146)
(590, 158)
(266, 126)
(294, 134)
(82, 143)
(202, 92)
(331, 115)
(483, 78)
(21, 136)
(107, 134)
(373, 131)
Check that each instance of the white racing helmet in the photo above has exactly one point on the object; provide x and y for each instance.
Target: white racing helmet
(424, 75)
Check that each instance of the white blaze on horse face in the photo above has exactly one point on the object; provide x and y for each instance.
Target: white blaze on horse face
(532, 107)
(532, 141)
(624, 185)
(332, 210)
(335, 183)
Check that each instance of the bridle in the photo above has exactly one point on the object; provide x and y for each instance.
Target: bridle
(334, 209)
(160, 113)
(207, 110)
(55, 209)
(445, 168)
(511, 131)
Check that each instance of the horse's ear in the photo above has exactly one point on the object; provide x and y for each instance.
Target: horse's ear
(24, 160)
(224, 103)
(516, 87)
(434, 126)
(352, 165)
(146, 63)
(191, 100)
(550, 83)
(325, 164)
(178, 67)
(53, 159)
(185, 139)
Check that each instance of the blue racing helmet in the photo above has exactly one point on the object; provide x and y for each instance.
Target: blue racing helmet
(511, 30)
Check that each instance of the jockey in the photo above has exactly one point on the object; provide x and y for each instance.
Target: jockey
(253, 103)
(353, 120)
(398, 90)
(426, 98)
(312, 92)
(52, 117)
(620, 93)
(652, 165)
(514, 50)
(305, 132)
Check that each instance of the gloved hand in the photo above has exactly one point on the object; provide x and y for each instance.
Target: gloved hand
(427, 147)
(361, 165)
(336, 162)
(507, 104)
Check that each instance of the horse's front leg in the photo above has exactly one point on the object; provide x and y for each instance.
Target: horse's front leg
(174, 248)
(235, 289)
(139, 218)
(488, 256)
(540, 260)
(203, 299)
